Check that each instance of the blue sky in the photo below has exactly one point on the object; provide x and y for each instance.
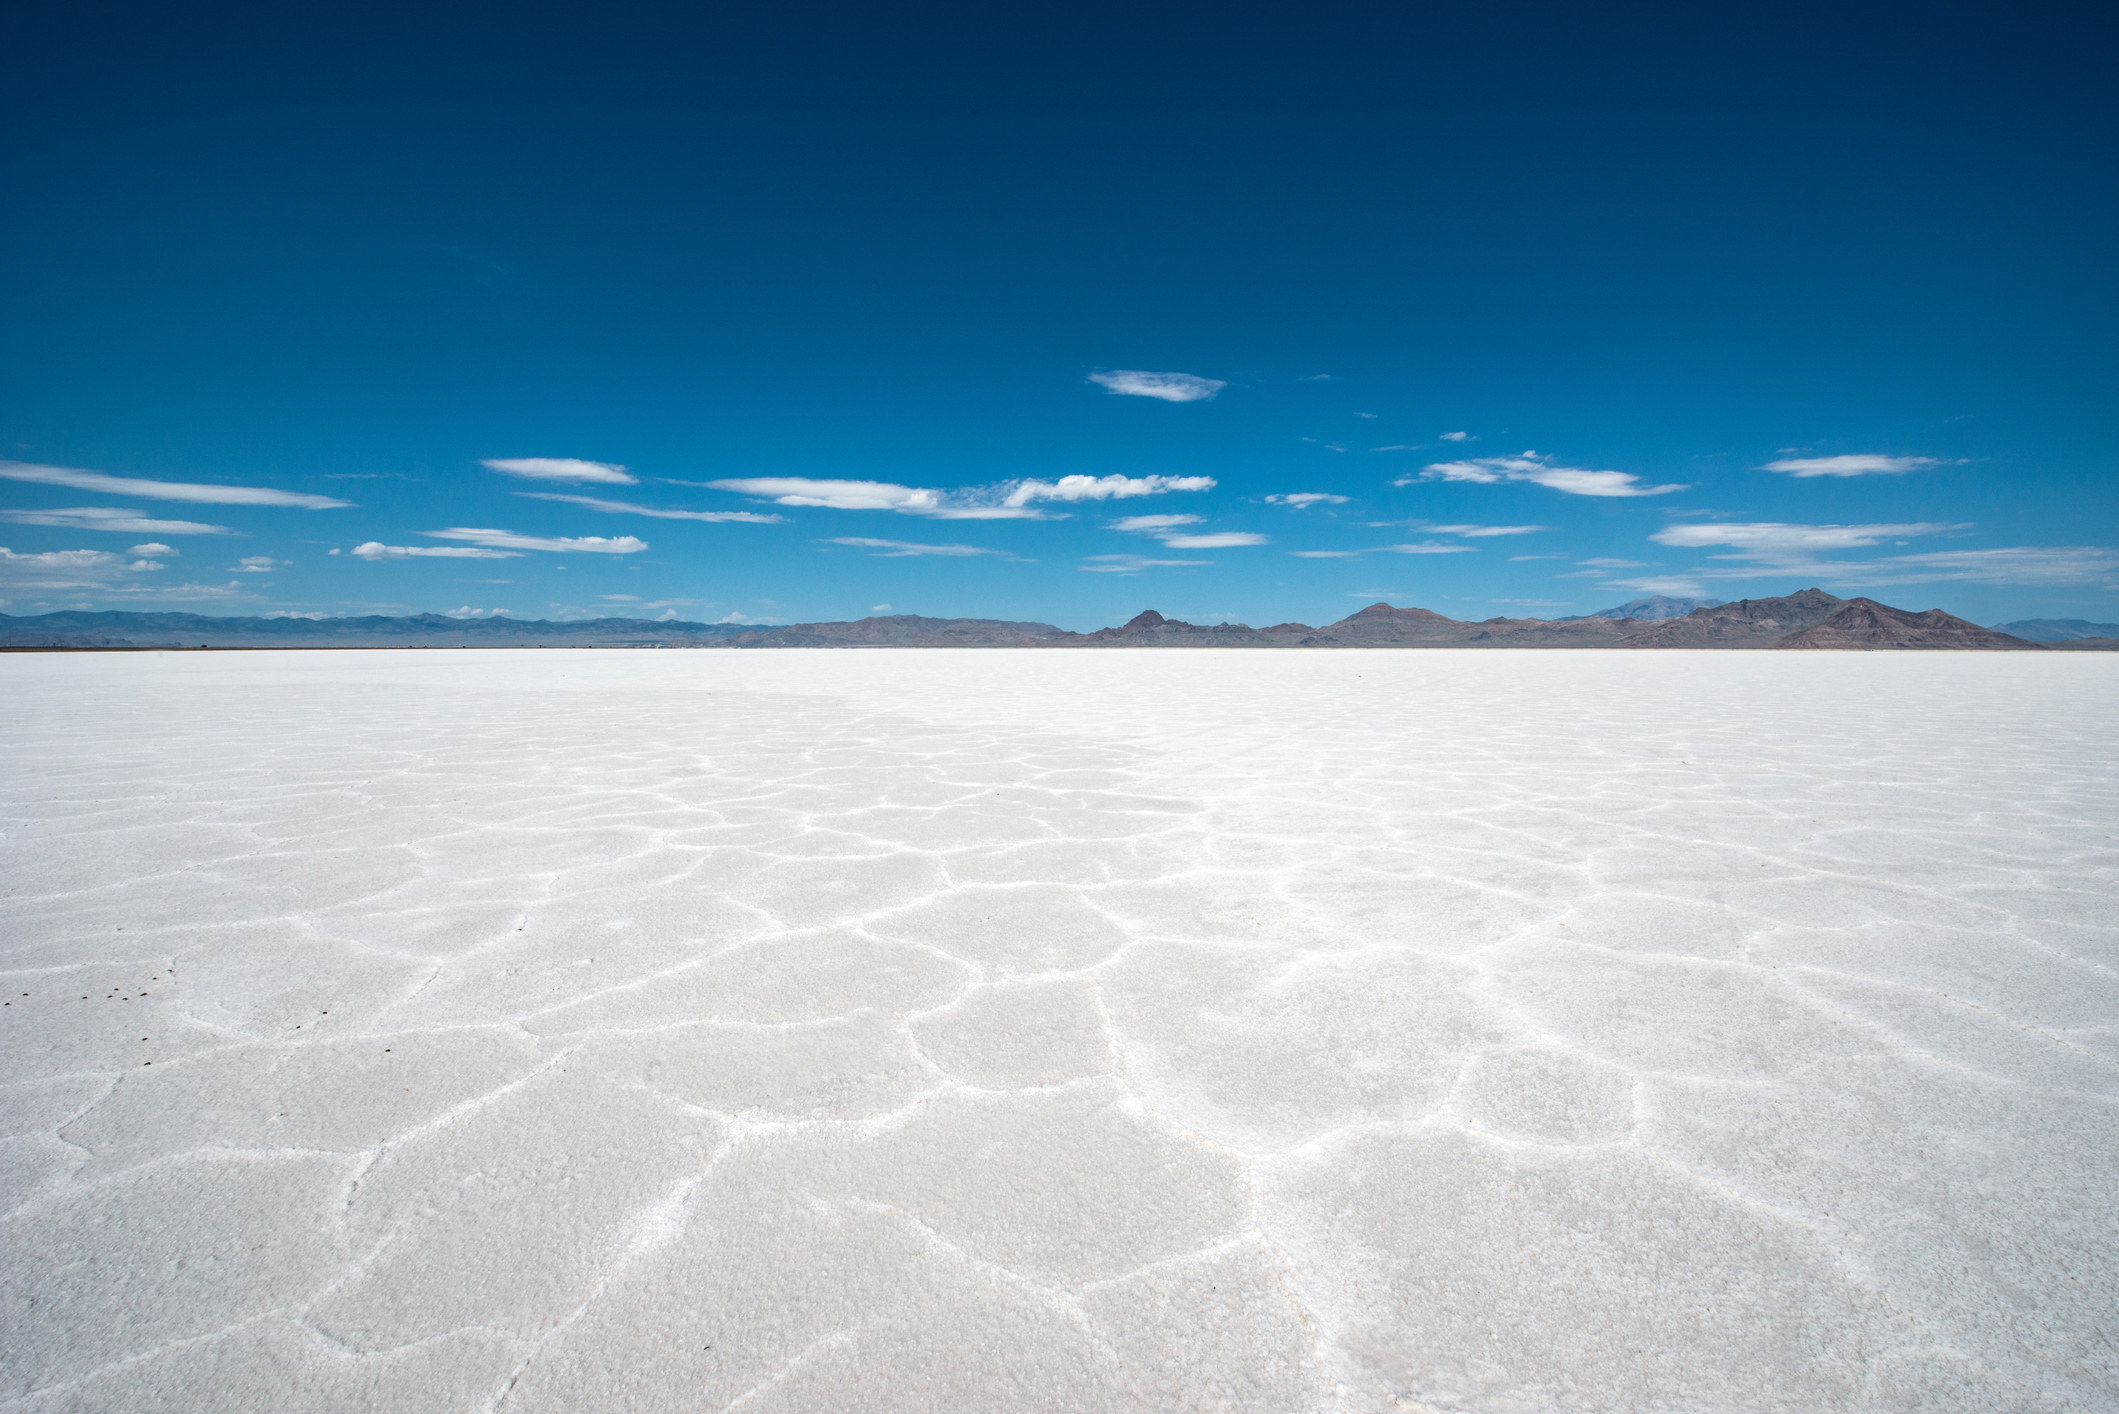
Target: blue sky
(796, 312)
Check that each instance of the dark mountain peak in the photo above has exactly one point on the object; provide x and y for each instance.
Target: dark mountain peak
(1864, 623)
(1146, 618)
(1391, 613)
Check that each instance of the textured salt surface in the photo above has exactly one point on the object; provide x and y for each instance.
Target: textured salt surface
(1014, 1031)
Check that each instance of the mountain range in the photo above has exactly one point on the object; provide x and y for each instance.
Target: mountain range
(1807, 619)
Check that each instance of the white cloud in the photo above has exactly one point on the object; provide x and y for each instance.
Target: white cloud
(255, 564)
(1170, 387)
(833, 495)
(508, 540)
(1776, 542)
(1301, 500)
(101, 572)
(1217, 540)
(2016, 564)
(298, 614)
(879, 608)
(1539, 470)
(1398, 447)
(1102, 488)
(898, 549)
(165, 490)
(467, 612)
(1151, 525)
(151, 548)
(1480, 532)
(1681, 586)
(1432, 547)
(1778, 548)
(560, 469)
(1460, 437)
(1859, 464)
(376, 550)
(628, 508)
(1008, 500)
(111, 518)
(1130, 564)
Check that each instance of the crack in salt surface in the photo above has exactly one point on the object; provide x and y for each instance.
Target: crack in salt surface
(828, 898)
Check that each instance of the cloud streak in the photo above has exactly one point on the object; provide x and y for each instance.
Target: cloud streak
(376, 550)
(203, 492)
(1007, 500)
(595, 503)
(509, 540)
(1131, 564)
(561, 469)
(111, 518)
(1858, 464)
(899, 549)
(1169, 387)
(1303, 500)
(1539, 471)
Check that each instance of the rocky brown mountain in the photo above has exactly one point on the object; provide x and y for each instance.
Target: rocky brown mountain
(1864, 623)
(1809, 618)
(903, 631)
(1747, 623)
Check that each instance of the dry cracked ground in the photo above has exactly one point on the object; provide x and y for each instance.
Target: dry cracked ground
(1001, 1030)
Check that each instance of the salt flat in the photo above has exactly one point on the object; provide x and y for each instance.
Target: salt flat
(1039, 1030)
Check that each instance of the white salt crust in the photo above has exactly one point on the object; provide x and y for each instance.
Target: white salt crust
(1155, 1030)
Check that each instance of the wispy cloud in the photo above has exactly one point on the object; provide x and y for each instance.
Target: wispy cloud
(1772, 547)
(508, 540)
(152, 549)
(1170, 387)
(1482, 532)
(1541, 471)
(100, 572)
(1007, 500)
(1101, 488)
(834, 495)
(1432, 547)
(660, 513)
(110, 518)
(2015, 564)
(1681, 586)
(256, 564)
(1131, 564)
(376, 550)
(561, 469)
(1302, 500)
(1169, 529)
(1217, 540)
(1460, 437)
(898, 549)
(1858, 464)
(467, 612)
(206, 492)
(1776, 542)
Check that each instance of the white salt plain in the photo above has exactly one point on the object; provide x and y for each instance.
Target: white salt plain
(999, 1030)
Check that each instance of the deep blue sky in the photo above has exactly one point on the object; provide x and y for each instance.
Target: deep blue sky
(356, 252)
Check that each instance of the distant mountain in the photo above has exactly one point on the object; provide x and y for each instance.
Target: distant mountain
(117, 628)
(1864, 623)
(1653, 608)
(1809, 618)
(1385, 626)
(2057, 630)
(902, 631)
(1748, 623)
